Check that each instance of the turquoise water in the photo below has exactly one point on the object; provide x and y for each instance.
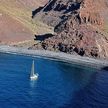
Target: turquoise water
(60, 85)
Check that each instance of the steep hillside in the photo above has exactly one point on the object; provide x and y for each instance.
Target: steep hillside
(90, 11)
(80, 26)
(12, 30)
(32, 3)
(17, 14)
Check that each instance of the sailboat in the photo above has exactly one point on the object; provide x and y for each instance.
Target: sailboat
(33, 76)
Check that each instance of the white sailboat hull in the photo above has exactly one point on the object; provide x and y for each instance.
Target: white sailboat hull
(34, 77)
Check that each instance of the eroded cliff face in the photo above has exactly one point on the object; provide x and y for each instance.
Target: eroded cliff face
(56, 11)
(79, 27)
(90, 11)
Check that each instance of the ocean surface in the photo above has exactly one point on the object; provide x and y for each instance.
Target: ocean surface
(60, 84)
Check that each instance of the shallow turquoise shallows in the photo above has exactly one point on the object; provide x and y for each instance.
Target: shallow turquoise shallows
(60, 84)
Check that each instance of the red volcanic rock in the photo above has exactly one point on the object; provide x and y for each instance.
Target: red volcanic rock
(91, 11)
(78, 26)
(83, 41)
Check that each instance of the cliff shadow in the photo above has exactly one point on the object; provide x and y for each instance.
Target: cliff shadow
(43, 37)
(105, 68)
(34, 12)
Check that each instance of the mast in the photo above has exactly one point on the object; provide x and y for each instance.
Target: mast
(32, 69)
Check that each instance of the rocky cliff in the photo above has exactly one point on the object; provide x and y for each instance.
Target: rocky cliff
(79, 26)
(90, 11)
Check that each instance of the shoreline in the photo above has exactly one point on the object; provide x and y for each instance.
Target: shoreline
(75, 59)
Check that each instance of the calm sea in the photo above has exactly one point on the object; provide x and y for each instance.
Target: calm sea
(60, 84)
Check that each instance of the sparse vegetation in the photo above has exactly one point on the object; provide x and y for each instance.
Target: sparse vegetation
(23, 15)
